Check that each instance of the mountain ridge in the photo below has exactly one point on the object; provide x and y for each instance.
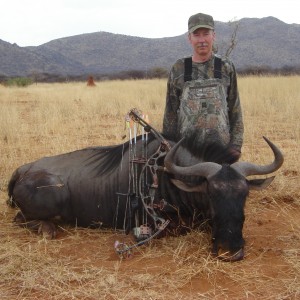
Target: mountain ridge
(266, 42)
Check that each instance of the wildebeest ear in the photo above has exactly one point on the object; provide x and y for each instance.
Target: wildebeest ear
(259, 184)
(189, 188)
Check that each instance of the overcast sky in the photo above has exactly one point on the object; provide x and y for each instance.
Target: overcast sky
(35, 22)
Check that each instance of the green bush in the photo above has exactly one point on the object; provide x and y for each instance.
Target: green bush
(19, 81)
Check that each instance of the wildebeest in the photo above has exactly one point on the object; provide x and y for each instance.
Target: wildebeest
(94, 187)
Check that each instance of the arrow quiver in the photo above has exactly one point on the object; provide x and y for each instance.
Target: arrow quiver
(143, 182)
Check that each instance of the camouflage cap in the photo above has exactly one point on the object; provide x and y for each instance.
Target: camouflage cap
(200, 21)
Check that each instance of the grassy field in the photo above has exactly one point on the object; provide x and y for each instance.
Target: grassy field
(49, 119)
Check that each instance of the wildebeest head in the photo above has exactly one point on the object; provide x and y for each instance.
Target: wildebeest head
(227, 189)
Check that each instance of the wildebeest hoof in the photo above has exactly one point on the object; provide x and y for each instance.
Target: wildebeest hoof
(19, 219)
(47, 230)
(229, 256)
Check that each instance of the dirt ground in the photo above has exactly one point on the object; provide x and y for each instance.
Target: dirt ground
(82, 263)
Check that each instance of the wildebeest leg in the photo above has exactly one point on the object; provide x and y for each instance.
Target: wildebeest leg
(46, 228)
(41, 197)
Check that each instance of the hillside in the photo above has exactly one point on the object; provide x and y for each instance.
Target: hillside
(266, 42)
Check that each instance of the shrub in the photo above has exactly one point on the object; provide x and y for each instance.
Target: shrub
(19, 81)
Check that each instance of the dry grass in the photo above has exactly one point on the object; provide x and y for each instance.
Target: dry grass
(48, 119)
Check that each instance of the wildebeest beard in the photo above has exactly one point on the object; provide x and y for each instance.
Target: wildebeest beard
(211, 149)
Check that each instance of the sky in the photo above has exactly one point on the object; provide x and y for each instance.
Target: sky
(35, 22)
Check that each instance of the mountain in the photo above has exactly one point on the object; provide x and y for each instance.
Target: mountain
(266, 42)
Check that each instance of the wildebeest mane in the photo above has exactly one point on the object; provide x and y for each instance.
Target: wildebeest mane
(209, 151)
(107, 159)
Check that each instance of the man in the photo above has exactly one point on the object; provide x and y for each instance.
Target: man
(202, 95)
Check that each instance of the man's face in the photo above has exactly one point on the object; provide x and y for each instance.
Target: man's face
(202, 41)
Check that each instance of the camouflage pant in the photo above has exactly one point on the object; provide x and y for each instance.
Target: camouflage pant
(203, 109)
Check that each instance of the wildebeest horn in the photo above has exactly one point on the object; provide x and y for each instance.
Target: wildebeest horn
(205, 169)
(247, 169)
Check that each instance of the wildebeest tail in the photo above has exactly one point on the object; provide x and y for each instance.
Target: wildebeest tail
(10, 189)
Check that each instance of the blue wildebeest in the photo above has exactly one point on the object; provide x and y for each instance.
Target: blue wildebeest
(95, 187)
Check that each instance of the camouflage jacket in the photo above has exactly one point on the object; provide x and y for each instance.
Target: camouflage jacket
(203, 71)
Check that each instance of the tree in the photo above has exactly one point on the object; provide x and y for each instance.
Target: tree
(233, 42)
